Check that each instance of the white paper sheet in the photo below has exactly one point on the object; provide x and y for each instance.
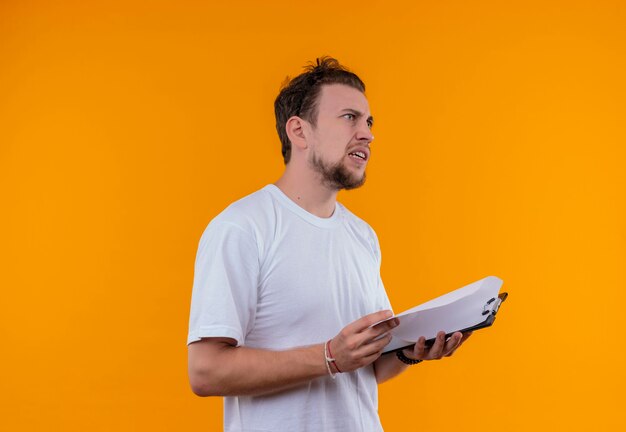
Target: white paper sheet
(458, 309)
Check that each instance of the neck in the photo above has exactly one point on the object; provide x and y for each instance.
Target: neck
(305, 189)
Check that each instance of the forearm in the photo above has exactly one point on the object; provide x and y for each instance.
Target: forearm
(388, 366)
(225, 370)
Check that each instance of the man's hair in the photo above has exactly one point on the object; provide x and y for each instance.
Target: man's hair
(300, 96)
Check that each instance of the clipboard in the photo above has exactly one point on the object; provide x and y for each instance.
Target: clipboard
(466, 309)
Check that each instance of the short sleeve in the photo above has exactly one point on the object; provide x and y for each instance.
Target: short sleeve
(224, 296)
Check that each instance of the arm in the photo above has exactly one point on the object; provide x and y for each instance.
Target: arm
(388, 365)
(218, 368)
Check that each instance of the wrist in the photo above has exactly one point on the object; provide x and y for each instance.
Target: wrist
(407, 359)
(331, 364)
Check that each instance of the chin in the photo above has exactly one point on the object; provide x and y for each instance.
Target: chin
(355, 183)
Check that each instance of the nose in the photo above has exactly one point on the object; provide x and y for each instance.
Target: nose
(364, 133)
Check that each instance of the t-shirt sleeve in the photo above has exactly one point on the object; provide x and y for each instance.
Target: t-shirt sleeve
(224, 296)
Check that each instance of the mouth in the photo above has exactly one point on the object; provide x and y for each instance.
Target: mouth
(359, 155)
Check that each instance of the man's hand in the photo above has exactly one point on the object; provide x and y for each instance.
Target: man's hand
(441, 348)
(360, 343)
(388, 366)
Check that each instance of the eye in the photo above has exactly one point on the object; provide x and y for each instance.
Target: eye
(370, 124)
(349, 116)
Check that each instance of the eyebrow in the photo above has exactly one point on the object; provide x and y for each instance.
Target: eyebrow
(358, 114)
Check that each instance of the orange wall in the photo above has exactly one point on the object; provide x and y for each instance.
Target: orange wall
(125, 126)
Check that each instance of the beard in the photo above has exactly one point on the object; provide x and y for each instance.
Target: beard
(335, 176)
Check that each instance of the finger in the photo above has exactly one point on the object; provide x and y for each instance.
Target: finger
(386, 325)
(419, 351)
(452, 344)
(463, 339)
(466, 336)
(374, 332)
(370, 359)
(367, 321)
(374, 347)
(436, 351)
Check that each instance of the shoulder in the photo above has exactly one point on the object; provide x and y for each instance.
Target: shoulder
(354, 221)
(248, 218)
(246, 211)
(360, 229)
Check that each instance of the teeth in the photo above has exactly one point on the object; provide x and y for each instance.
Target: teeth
(359, 154)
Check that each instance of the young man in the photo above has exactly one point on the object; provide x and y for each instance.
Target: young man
(287, 281)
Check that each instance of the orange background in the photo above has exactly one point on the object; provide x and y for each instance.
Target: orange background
(500, 149)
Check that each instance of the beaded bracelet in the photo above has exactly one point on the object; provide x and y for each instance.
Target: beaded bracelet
(404, 359)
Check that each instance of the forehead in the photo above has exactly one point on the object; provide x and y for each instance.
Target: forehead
(337, 97)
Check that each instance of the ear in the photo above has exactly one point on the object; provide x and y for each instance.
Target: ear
(296, 132)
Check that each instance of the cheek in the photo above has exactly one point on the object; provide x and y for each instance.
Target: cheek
(338, 152)
(330, 149)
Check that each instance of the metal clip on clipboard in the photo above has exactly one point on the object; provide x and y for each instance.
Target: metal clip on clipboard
(493, 304)
(490, 309)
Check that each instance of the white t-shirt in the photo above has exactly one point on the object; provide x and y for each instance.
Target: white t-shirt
(271, 275)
